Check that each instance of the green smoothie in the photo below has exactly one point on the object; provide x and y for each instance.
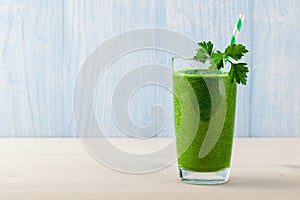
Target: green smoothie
(208, 89)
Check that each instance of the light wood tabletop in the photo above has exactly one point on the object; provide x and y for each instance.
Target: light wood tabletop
(62, 169)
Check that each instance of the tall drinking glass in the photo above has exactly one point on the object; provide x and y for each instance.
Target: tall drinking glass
(204, 108)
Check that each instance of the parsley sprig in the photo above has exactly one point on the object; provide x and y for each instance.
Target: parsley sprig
(217, 59)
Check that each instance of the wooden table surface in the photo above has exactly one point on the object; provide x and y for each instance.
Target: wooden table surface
(63, 169)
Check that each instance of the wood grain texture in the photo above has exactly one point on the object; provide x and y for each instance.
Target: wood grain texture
(31, 71)
(44, 43)
(62, 169)
(275, 72)
(89, 24)
(86, 25)
(193, 19)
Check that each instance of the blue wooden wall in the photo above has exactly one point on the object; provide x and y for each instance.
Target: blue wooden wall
(43, 43)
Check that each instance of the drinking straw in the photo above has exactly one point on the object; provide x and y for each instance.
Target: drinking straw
(237, 28)
(236, 32)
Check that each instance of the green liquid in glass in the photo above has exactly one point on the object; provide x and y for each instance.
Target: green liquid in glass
(220, 155)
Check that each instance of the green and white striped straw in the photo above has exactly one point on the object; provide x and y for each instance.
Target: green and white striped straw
(235, 33)
(237, 28)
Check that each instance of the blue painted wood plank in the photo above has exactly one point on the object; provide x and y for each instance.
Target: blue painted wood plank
(31, 69)
(87, 25)
(275, 95)
(44, 43)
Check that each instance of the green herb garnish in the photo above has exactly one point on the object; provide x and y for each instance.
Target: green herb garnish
(217, 59)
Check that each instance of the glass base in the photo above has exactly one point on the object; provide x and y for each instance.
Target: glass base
(204, 178)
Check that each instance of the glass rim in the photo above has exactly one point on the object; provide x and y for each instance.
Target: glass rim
(212, 74)
(206, 75)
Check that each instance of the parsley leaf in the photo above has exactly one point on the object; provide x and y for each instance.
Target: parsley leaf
(208, 46)
(238, 73)
(236, 51)
(233, 52)
(201, 56)
(204, 52)
(217, 61)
